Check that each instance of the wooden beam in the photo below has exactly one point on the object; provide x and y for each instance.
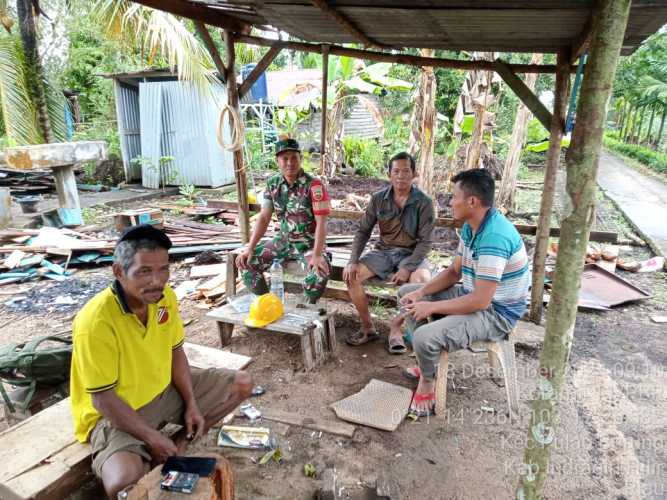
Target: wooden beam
(581, 43)
(212, 49)
(527, 229)
(196, 12)
(323, 125)
(345, 23)
(239, 168)
(257, 71)
(523, 92)
(407, 59)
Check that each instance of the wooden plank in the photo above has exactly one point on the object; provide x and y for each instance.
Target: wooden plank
(524, 93)
(314, 423)
(346, 24)
(208, 270)
(184, 288)
(34, 440)
(197, 12)
(200, 356)
(212, 50)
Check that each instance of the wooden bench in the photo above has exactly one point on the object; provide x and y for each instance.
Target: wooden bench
(339, 260)
(315, 329)
(40, 457)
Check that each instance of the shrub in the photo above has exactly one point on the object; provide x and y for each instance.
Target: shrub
(364, 155)
(652, 159)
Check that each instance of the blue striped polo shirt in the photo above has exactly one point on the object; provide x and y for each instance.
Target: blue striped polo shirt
(496, 253)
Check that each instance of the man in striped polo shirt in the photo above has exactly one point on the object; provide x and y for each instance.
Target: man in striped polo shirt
(491, 259)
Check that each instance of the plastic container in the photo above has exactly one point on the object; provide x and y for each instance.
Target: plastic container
(277, 280)
(29, 204)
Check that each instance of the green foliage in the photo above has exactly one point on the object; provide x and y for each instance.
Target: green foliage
(190, 194)
(652, 159)
(535, 132)
(100, 131)
(365, 156)
(258, 157)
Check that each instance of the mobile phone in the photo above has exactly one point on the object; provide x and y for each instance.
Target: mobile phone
(201, 466)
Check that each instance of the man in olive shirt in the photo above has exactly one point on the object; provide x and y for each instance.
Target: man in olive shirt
(405, 217)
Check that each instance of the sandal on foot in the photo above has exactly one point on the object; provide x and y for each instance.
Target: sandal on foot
(360, 338)
(413, 373)
(395, 345)
(420, 398)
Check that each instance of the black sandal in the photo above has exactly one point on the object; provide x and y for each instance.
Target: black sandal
(396, 345)
(360, 338)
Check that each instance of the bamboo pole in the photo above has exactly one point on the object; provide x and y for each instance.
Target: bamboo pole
(549, 188)
(323, 126)
(239, 167)
(611, 18)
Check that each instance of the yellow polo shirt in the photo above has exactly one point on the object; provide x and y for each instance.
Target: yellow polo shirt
(113, 349)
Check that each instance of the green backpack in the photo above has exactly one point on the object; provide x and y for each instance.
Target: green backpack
(31, 365)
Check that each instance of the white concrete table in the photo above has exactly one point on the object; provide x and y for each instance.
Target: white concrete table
(60, 158)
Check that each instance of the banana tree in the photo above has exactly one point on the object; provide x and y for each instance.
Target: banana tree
(351, 80)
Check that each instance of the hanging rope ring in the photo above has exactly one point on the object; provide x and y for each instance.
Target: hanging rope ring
(236, 129)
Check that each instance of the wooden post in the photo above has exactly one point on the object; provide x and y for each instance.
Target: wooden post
(549, 189)
(323, 128)
(611, 18)
(239, 167)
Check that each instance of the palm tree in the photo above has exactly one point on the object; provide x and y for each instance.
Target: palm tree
(31, 111)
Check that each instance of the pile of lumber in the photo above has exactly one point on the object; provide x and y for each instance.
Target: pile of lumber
(207, 285)
(27, 182)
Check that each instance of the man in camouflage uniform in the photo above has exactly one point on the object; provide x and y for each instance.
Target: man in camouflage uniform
(301, 205)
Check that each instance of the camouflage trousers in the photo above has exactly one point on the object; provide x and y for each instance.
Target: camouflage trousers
(266, 252)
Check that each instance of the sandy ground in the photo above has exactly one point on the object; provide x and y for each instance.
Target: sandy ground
(611, 442)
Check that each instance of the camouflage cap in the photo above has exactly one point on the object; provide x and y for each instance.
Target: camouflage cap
(287, 145)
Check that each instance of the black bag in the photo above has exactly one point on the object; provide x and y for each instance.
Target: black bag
(31, 364)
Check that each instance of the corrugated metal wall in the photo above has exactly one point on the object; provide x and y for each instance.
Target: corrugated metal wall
(127, 114)
(360, 121)
(179, 121)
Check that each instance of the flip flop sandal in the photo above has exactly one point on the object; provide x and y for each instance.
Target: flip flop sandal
(360, 338)
(413, 373)
(420, 398)
(396, 346)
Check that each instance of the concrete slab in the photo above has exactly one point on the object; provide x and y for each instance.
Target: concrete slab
(59, 154)
(642, 198)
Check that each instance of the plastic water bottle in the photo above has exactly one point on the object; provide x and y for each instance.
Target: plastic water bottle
(277, 283)
(303, 271)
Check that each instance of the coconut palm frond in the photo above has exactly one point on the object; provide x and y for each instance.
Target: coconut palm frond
(56, 104)
(653, 88)
(159, 34)
(16, 107)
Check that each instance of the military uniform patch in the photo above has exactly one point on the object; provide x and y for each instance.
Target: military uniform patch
(318, 192)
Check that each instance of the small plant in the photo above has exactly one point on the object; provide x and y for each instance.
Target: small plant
(190, 194)
(164, 170)
(89, 172)
(365, 156)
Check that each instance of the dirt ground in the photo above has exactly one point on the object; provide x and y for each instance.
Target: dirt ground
(611, 442)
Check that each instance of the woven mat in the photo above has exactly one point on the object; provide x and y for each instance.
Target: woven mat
(380, 404)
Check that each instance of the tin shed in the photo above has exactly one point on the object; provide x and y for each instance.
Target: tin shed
(160, 116)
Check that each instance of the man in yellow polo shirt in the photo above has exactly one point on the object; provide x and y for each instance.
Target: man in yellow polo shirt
(130, 375)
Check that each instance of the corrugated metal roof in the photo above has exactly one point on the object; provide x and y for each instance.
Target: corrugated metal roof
(483, 25)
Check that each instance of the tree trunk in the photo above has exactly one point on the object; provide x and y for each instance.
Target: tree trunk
(622, 118)
(334, 152)
(638, 131)
(628, 123)
(647, 137)
(511, 168)
(658, 140)
(549, 187)
(610, 20)
(35, 75)
(422, 133)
